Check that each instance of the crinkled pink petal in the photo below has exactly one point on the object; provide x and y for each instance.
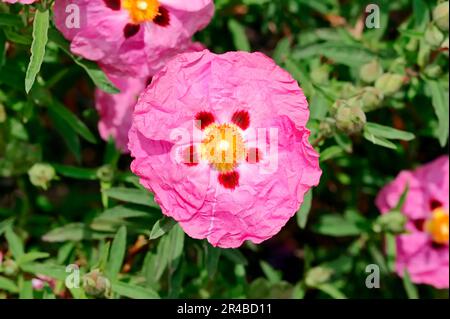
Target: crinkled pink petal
(101, 34)
(266, 197)
(426, 262)
(20, 1)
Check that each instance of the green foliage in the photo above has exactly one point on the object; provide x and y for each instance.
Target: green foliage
(378, 104)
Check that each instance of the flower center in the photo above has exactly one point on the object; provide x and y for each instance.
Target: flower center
(438, 226)
(223, 147)
(142, 10)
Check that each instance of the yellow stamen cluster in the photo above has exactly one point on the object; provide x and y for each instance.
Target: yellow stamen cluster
(223, 147)
(142, 10)
(438, 226)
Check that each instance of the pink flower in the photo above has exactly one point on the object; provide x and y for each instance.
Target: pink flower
(134, 37)
(116, 110)
(194, 140)
(424, 250)
(20, 1)
(39, 282)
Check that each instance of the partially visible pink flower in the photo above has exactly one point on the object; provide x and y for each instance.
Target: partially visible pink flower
(424, 250)
(132, 37)
(39, 282)
(20, 1)
(115, 110)
(222, 142)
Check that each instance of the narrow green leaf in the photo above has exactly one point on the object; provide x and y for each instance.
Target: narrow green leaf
(337, 226)
(272, 275)
(8, 285)
(132, 195)
(25, 289)
(332, 291)
(212, 259)
(161, 227)
(282, 50)
(50, 270)
(32, 256)
(9, 20)
(410, 288)
(133, 291)
(391, 251)
(388, 132)
(239, 36)
(440, 100)
(117, 254)
(330, 153)
(40, 38)
(421, 14)
(76, 172)
(68, 134)
(14, 243)
(305, 208)
(235, 256)
(72, 232)
(379, 140)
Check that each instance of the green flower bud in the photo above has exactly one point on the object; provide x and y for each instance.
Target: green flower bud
(320, 75)
(444, 45)
(371, 98)
(440, 16)
(41, 175)
(317, 276)
(2, 113)
(413, 45)
(326, 127)
(433, 36)
(392, 222)
(348, 90)
(95, 284)
(389, 83)
(350, 119)
(105, 173)
(371, 71)
(10, 267)
(433, 71)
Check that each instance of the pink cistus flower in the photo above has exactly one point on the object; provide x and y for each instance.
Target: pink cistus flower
(116, 110)
(131, 37)
(423, 251)
(221, 142)
(20, 1)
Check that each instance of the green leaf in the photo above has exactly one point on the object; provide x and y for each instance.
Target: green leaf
(25, 289)
(92, 69)
(421, 14)
(72, 232)
(9, 20)
(14, 243)
(161, 227)
(71, 120)
(49, 270)
(331, 290)
(388, 132)
(337, 226)
(40, 38)
(391, 251)
(76, 172)
(303, 213)
(117, 254)
(133, 291)
(4, 225)
(440, 100)
(410, 288)
(8, 285)
(132, 195)
(379, 140)
(300, 75)
(235, 256)
(68, 134)
(212, 259)
(330, 153)
(272, 275)
(282, 50)
(240, 39)
(32, 256)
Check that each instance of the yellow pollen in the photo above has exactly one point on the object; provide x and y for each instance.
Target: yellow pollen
(438, 226)
(142, 10)
(223, 147)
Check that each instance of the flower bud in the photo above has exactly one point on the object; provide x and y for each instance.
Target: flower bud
(350, 119)
(95, 284)
(10, 267)
(320, 75)
(371, 71)
(105, 173)
(444, 44)
(2, 113)
(317, 276)
(440, 16)
(389, 83)
(41, 175)
(433, 71)
(412, 45)
(371, 98)
(326, 127)
(392, 222)
(433, 36)
(348, 90)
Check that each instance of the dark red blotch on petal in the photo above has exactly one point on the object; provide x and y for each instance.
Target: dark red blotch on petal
(131, 30)
(229, 180)
(419, 224)
(241, 119)
(190, 156)
(204, 119)
(163, 18)
(435, 204)
(254, 156)
(112, 4)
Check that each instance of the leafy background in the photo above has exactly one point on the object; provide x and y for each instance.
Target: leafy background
(95, 214)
